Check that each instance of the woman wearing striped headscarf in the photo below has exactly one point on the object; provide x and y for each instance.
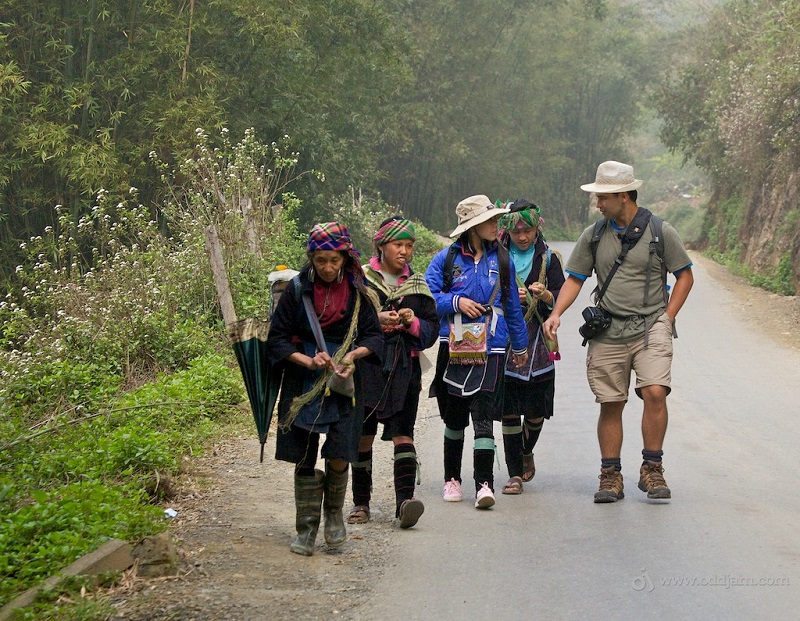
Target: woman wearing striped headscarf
(326, 302)
(530, 390)
(407, 313)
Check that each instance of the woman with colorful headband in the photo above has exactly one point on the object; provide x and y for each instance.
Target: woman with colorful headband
(323, 329)
(407, 313)
(530, 390)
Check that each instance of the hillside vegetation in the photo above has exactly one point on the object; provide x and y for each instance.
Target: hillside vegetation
(732, 106)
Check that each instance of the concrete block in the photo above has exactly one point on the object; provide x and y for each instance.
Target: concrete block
(113, 555)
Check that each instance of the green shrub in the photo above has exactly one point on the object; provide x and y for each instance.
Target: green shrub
(427, 245)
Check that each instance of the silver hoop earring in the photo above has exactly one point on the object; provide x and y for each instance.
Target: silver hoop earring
(311, 274)
(340, 275)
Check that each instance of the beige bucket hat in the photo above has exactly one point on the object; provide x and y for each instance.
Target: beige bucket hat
(613, 177)
(474, 210)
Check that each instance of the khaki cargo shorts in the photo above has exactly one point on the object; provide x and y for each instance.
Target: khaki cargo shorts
(609, 366)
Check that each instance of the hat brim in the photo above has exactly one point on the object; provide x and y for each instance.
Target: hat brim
(605, 188)
(486, 215)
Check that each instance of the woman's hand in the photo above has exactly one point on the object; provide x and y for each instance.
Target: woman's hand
(539, 292)
(388, 318)
(320, 360)
(523, 295)
(470, 308)
(406, 316)
(519, 360)
(346, 368)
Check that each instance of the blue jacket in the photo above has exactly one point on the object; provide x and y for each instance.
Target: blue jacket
(477, 282)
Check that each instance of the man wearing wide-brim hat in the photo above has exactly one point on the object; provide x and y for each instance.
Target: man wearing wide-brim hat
(639, 337)
(479, 314)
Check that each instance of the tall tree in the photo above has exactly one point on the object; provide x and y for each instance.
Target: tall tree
(91, 87)
(525, 100)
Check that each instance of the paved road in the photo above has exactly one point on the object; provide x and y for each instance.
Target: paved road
(726, 547)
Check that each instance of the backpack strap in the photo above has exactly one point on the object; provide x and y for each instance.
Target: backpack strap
(657, 248)
(599, 228)
(297, 292)
(447, 273)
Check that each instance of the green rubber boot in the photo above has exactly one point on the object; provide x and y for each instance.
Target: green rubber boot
(335, 490)
(308, 493)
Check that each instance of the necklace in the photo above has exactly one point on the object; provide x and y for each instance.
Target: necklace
(327, 299)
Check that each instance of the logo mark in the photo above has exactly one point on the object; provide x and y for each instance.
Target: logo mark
(643, 582)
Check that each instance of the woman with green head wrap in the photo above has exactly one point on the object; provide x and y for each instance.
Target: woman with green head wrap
(529, 390)
(407, 314)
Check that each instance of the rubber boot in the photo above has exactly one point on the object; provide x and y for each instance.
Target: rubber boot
(335, 490)
(308, 493)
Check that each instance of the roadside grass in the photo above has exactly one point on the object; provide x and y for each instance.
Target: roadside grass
(67, 491)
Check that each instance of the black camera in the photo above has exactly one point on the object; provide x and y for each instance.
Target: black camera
(596, 320)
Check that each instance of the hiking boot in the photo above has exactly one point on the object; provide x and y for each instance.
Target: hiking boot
(452, 491)
(651, 480)
(485, 497)
(610, 486)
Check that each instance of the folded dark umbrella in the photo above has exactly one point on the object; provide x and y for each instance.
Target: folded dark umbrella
(261, 380)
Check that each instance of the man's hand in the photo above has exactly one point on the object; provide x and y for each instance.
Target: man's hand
(550, 327)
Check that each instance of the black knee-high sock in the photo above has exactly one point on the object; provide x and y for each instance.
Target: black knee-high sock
(362, 478)
(405, 472)
(453, 452)
(483, 454)
(531, 435)
(513, 445)
(484, 467)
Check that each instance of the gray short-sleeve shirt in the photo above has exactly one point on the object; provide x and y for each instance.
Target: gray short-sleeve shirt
(625, 297)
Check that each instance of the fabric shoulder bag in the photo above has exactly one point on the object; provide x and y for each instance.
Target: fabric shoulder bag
(468, 341)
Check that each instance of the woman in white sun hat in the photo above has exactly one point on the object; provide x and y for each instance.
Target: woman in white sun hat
(479, 311)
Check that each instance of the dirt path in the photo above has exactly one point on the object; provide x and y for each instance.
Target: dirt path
(236, 519)
(233, 529)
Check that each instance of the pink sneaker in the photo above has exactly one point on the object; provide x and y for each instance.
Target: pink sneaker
(485, 497)
(452, 491)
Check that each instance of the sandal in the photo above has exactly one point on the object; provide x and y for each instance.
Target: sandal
(528, 467)
(358, 515)
(513, 486)
(409, 513)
